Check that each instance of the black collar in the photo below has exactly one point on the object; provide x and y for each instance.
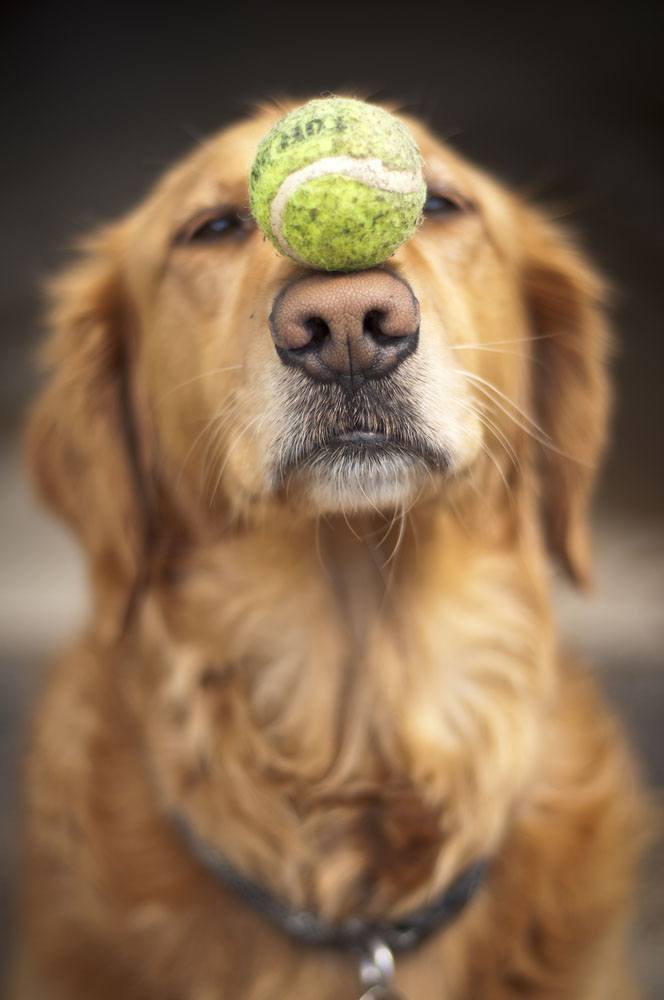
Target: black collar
(352, 934)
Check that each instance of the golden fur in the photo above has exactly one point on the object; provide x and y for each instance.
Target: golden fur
(348, 682)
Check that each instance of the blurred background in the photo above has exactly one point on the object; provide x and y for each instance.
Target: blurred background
(563, 102)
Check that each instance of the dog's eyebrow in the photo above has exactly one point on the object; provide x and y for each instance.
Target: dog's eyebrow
(210, 191)
(437, 171)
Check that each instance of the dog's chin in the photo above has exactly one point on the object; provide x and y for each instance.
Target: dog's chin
(362, 472)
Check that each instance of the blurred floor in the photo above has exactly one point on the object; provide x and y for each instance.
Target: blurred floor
(621, 628)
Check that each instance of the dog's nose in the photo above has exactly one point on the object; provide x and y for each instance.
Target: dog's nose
(346, 328)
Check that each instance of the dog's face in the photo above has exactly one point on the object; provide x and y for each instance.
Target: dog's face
(243, 420)
(190, 354)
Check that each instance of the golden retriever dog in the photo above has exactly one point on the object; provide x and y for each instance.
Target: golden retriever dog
(318, 739)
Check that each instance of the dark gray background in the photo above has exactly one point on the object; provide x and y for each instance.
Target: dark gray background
(564, 103)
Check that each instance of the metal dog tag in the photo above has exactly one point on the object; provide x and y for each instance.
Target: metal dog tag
(376, 972)
(382, 993)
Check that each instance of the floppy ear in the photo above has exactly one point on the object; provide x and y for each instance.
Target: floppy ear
(571, 341)
(81, 439)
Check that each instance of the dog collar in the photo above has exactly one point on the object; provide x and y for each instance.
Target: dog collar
(375, 941)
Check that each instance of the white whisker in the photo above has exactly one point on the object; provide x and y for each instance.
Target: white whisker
(534, 430)
(400, 537)
(514, 340)
(495, 430)
(491, 350)
(207, 427)
(249, 424)
(196, 378)
(484, 420)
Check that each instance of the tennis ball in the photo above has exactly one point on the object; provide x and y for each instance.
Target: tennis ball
(337, 185)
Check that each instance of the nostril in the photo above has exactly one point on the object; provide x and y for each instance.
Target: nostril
(371, 324)
(317, 329)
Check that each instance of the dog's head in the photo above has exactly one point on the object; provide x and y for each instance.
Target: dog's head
(197, 372)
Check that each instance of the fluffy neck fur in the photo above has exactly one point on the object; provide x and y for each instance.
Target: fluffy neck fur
(349, 719)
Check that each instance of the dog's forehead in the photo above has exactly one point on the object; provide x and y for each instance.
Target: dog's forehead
(235, 146)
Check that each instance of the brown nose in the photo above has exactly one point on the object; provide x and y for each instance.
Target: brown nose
(346, 328)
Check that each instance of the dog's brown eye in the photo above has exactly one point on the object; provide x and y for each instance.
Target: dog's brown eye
(214, 229)
(214, 225)
(438, 206)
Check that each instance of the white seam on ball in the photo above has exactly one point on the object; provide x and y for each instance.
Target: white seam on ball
(369, 171)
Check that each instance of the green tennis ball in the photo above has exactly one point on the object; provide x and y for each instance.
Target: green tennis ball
(337, 185)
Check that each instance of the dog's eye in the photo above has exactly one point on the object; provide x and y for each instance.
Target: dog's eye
(214, 229)
(211, 227)
(439, 206)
